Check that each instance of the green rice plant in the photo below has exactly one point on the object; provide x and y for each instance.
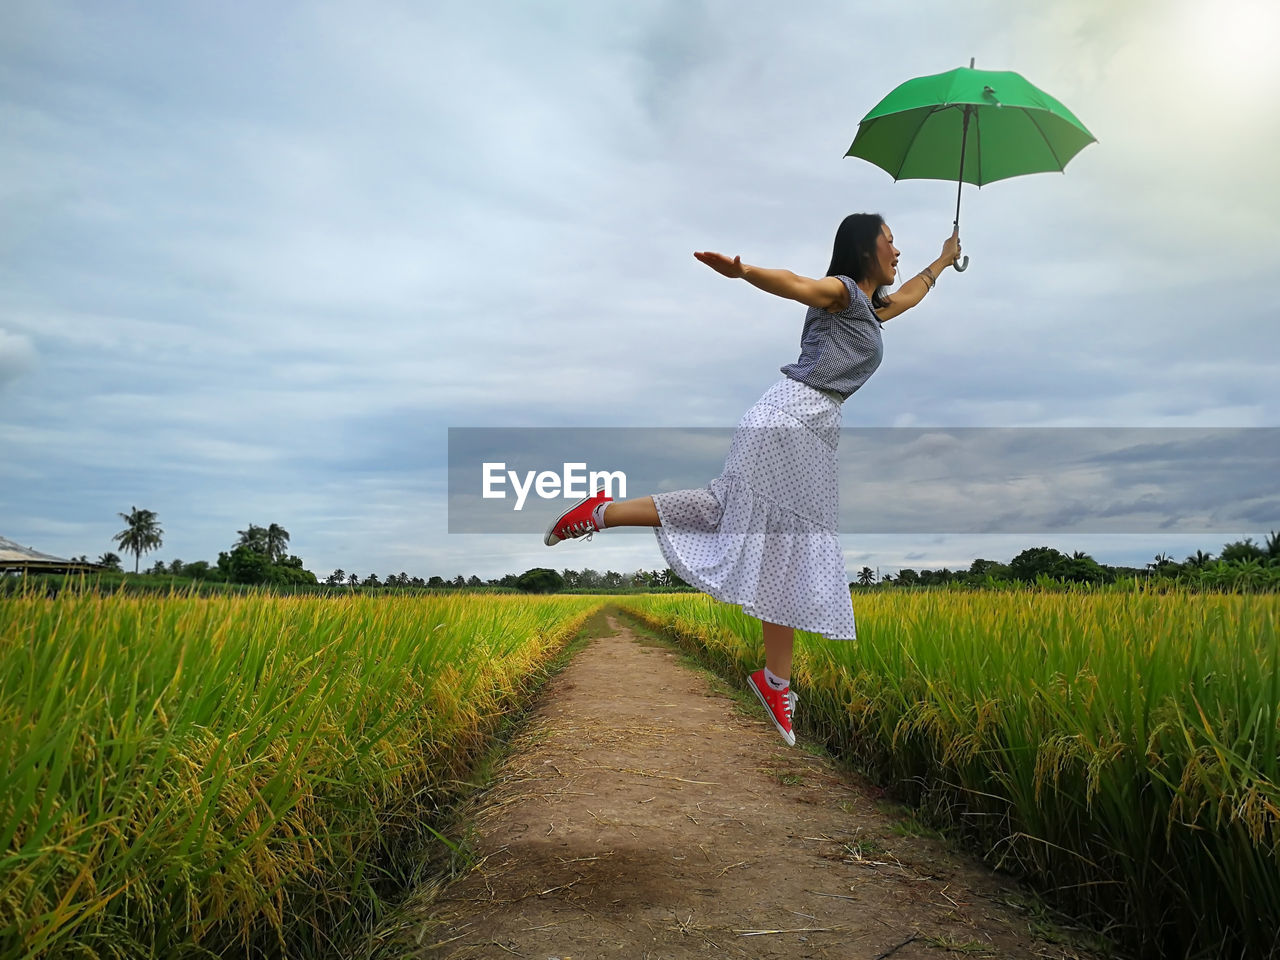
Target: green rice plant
(186, 775)
(1122, 749)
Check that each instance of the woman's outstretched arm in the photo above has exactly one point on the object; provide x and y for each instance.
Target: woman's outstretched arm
(829, 293)
(913, 291)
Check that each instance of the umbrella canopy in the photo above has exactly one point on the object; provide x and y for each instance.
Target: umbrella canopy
(1003, 125)
(971, 126)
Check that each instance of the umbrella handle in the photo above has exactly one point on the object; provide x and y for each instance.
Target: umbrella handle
(961, 266)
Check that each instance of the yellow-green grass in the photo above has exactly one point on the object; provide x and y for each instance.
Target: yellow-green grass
(1121, 749)
(183, 776)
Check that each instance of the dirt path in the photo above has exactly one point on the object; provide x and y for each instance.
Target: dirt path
(642, 814)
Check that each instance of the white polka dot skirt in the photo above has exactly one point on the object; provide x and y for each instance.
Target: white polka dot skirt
(763, 534)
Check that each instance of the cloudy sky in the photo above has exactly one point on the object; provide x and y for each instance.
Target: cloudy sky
(256, 260)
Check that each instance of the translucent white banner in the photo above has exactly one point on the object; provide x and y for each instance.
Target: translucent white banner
(899, 480)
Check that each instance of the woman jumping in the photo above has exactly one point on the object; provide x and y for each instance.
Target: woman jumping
(763, 534)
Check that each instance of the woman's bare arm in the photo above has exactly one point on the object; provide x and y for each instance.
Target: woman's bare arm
(913, 291)
(829, 293)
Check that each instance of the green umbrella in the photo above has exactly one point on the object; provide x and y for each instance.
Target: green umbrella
(921, 130)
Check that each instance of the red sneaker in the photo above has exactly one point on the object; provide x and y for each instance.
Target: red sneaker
(778, 704)
(576, 521)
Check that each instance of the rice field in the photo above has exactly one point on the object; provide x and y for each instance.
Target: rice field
(191, 776)
(252, 775)
(1121, 750)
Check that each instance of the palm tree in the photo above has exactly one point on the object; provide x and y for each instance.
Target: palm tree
(255, 538)
(277, 538)
(353, 579)
(866, 576)
(109, 560)
(1273, 544)
(142, 535)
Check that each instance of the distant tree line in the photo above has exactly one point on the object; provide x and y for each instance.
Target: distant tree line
(259, 556)
(1241, 563)
(537, 580)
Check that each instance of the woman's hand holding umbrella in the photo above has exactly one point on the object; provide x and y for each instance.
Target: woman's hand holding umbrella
(951, 249)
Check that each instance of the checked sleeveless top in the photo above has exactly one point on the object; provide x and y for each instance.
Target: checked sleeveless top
(839, 351)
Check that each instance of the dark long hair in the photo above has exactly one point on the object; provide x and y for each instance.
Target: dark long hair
(855, 250)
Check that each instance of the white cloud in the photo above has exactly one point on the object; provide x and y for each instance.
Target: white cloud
(17, 356)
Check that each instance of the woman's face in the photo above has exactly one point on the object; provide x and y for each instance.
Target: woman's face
(886, 256)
